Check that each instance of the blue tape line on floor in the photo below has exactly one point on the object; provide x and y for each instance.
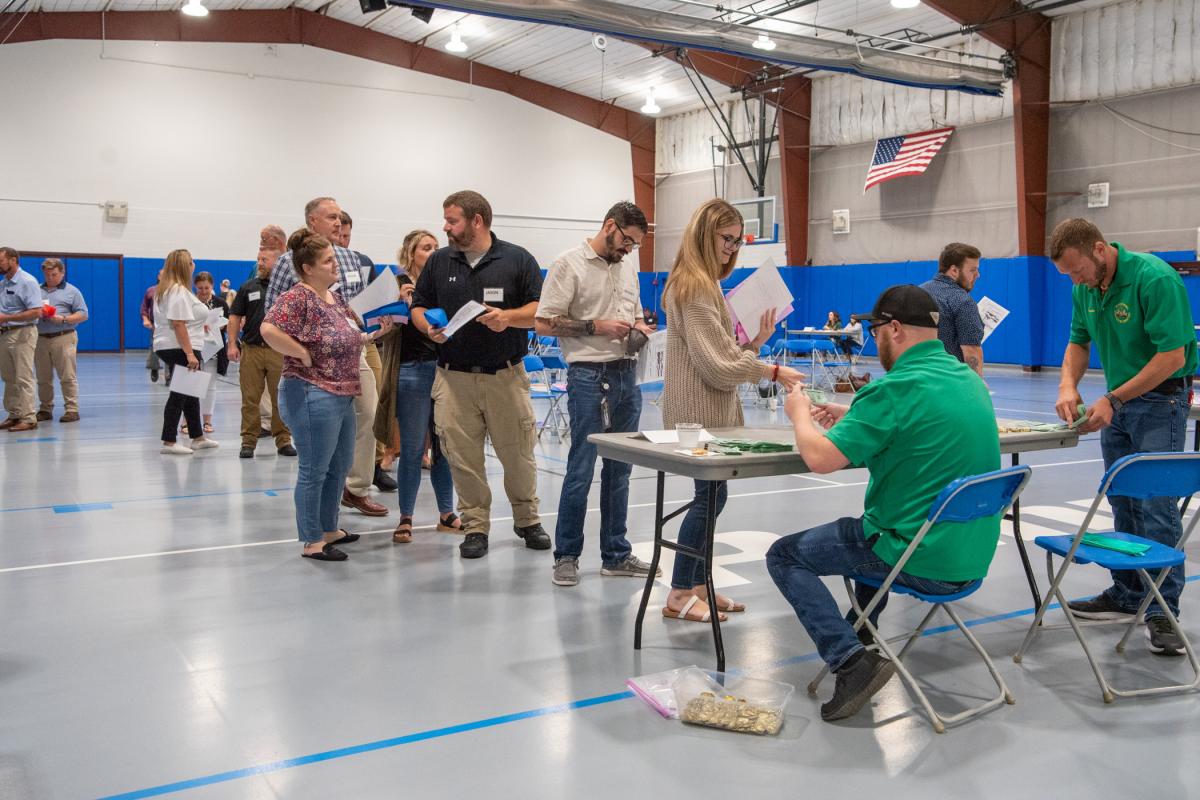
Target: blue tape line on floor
(382, 744)
(74, 508)
(268, 492)
(35, 439)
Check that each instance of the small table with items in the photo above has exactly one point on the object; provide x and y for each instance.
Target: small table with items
(635, 449)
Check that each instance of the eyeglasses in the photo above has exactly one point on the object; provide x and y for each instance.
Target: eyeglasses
(627, 241)
(731, 242)
(876, 327)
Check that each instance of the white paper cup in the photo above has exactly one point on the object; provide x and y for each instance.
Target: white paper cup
(689, 435)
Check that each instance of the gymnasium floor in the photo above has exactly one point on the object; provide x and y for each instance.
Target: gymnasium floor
(162, 637)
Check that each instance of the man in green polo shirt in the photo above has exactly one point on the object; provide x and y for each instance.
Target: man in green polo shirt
(927, 422)
(1135, 308)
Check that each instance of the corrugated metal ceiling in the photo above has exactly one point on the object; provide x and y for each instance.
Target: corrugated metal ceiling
(624, 72)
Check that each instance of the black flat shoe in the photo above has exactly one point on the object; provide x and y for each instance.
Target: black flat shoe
(347, 538)
(328, 553)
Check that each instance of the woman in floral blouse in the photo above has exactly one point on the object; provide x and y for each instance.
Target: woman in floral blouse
(319, 337)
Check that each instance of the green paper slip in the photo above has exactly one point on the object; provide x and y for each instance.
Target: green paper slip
(750, 446)
(1118, 545)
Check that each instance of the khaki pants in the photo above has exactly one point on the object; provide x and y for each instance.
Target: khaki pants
(56, 354)
(467, 407)
(259, 371)
(17, 348)
(362, 471)
(376, 365)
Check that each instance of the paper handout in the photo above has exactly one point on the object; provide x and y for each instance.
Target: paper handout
(671, 437)
(762, 291)
(193, 383)
(461, 317)
(380, 292)
(992, 314)
(652, 360)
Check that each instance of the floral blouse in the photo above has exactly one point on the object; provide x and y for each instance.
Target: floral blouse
(330, 334)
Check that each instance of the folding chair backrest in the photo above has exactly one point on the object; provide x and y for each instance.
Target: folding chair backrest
(979, 496)
(533, 364)
(553, 362)
(1146, 475)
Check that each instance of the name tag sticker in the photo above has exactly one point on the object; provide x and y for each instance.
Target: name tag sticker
(253, 295)
(493, 295)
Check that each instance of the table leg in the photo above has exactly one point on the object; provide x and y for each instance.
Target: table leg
(1015, 516)
(710, 526)
(658, 540)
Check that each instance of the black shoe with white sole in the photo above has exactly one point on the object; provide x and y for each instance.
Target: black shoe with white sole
(859, 678)
(1100, 607)
(1163, 639)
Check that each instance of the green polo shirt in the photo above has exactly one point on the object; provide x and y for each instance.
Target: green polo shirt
(1144, 312)
(928, 421)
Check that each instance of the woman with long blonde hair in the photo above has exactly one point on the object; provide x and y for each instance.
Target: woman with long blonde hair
(179, 319)
(409, 363)
(705, 366)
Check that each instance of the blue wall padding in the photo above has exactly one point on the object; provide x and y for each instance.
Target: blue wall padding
(1037, 297)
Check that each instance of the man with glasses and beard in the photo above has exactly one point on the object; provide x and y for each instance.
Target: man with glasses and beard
(481, 389)
(960, 327)
(590, 301)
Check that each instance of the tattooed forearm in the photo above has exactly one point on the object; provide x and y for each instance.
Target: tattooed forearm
(562, 326)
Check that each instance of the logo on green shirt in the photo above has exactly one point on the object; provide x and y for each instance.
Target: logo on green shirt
(1121, 313)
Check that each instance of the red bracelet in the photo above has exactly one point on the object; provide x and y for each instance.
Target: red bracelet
(775, 374)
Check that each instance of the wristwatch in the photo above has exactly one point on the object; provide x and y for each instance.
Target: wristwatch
(1114, 401)
(590, 327)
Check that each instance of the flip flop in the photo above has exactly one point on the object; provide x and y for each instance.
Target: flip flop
(327, 553)
(403, 532)
(732, 607)
(346, 538)
(682, 613)
(450, 523)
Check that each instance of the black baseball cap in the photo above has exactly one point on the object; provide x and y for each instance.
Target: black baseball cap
(906, 304)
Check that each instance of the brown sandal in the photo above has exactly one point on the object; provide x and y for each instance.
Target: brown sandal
(403, 532)
(449, 523)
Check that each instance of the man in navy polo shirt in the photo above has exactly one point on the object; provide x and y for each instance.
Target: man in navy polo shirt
(959, 325)
(481, 389)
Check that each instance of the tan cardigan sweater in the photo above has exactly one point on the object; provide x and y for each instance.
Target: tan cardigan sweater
(705, 366)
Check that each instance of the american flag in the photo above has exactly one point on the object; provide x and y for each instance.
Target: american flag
(904, 155)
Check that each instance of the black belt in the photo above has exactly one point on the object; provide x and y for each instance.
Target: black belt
(480, 370)
(1173, 385)
(52, 335)
(7, 328)
(620, 363)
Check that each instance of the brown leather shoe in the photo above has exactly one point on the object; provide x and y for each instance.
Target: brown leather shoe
(23, 426)
(44, 416)
(70, 416)
(8, 423)
(364, 505)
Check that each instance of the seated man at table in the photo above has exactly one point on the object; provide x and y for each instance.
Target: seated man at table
(928, 421)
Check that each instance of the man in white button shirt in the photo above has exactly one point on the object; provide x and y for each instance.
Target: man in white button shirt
(590, 301)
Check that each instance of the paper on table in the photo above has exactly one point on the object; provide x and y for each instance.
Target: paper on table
(762, 291)
(652, 360)
(992, 314)
(672, 437)
(464, 315)
(380, 292)
(191, 383)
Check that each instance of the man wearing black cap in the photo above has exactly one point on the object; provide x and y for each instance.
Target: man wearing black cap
(927, 422)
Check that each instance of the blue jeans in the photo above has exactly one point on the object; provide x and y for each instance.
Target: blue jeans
(322, 426)
(1153, 422)
(689, 572)
(797, 562)
(585, 391)
(414, 384)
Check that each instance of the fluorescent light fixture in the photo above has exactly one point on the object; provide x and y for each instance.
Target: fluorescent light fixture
(905, 3)
(195, 8)
(764, 42)
(651, 107)
(456, 44)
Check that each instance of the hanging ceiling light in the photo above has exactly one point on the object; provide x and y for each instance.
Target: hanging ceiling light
(905, 3)
(650, 107)
(195, 8)
(456, 44)
(764, 42)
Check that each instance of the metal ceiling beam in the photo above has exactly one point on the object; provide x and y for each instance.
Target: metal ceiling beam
(1026, 37)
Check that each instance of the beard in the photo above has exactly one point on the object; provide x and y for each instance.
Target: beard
(612, 253)
(886, 358)
(1101, 269)
(463, 241)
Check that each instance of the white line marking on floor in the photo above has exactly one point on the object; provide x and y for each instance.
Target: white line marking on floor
(819, 480)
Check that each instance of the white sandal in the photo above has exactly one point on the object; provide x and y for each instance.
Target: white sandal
(683, 612)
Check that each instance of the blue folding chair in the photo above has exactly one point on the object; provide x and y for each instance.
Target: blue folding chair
(963, 500)
(1141, 476)
(541, 387)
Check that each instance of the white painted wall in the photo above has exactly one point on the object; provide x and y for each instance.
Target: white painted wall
(209, 142)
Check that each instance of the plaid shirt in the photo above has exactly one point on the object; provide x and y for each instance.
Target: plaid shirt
(349, 285)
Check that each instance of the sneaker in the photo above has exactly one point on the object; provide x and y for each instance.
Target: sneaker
(44, 416)
(631, 567)
(566, 571)
(246, 452)
(205, 444)
(154, 376)
(1164, 641)
(383, 482)
(474, 546)
(1099, 607)
(857, 681)
(175, 449)
(287, 450)
(535, 536)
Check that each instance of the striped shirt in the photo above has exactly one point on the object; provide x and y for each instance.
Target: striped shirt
(349, 285)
